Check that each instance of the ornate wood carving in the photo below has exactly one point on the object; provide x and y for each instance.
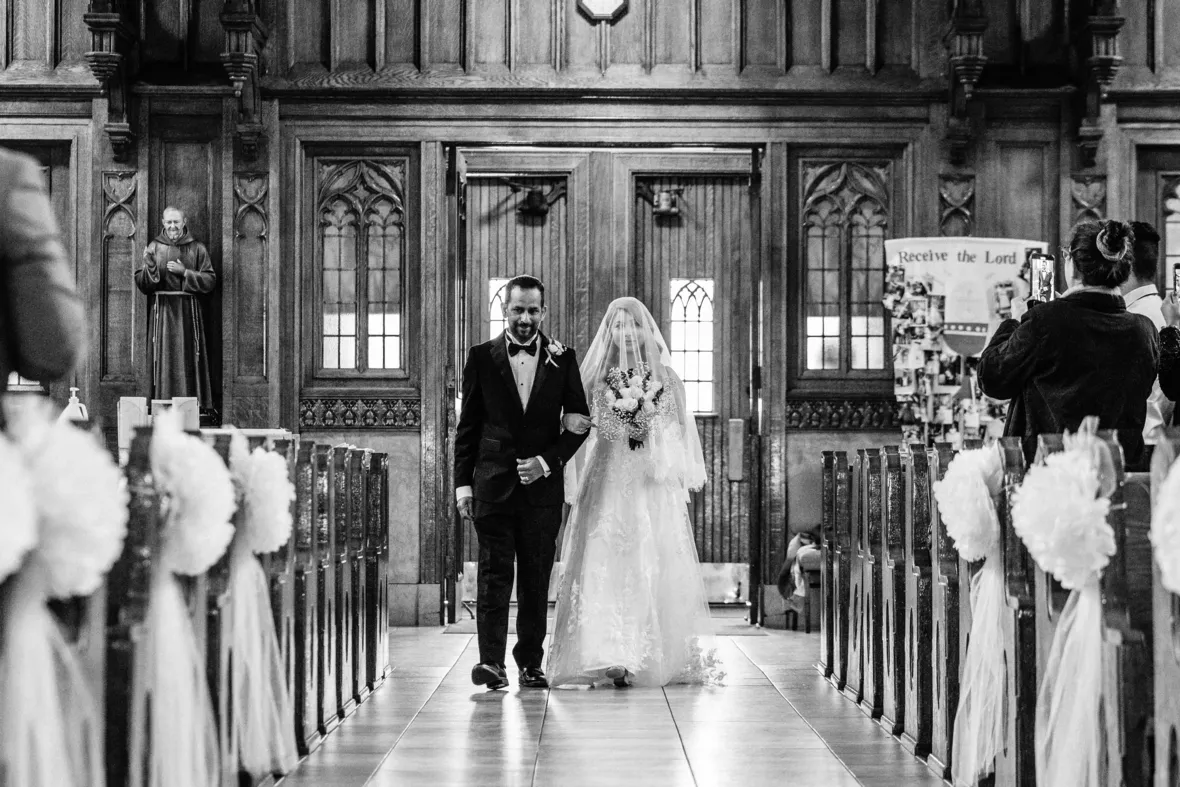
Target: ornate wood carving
(245, 36)
(249, 402)
(398, 414)
(964, 42)
(843, 414)
(118, 260)
(1088, 193)
(113, 60)
(956, 205)
(603, 10)
(1098, 54)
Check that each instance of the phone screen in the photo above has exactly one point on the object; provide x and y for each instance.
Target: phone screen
(1176, 278)
(1041, 277)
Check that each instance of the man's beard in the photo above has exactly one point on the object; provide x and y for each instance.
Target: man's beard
(173, 234)
(523, 333)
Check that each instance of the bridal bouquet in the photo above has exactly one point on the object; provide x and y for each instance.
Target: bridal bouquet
(637, 397)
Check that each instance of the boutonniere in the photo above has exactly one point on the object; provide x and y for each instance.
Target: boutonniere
(553, 350)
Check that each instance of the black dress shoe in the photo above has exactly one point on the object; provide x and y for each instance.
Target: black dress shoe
(533, 678)
(491, 675)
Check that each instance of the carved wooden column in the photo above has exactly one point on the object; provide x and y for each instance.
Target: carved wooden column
(964, 43)
(113, 59)
(1097, 45)
(245, 36)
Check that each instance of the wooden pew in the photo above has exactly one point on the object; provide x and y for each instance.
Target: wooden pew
(945, 602)
(841, 567)
(1166, 642)
(128, 586)
(358, 501)
(307, 599)
(854, 685)
(280, 570)
(890, 552)
(919, 654)
(871, 639)
(377, 535)
(342, 497)
(1017, 766)
(827, 531)
(1127, 614)
(327, 707)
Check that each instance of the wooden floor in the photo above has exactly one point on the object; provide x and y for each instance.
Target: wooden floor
(775, 722)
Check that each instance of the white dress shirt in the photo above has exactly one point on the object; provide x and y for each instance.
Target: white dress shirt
(1146, 300)
(524, 371)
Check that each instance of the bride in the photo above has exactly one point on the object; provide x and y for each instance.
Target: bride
(632, 607)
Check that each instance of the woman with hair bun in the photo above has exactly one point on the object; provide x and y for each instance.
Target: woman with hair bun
(1081, 354)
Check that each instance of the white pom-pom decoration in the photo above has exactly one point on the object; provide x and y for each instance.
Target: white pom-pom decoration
(82, 505)
(965, 504)
(20, 514)
(200, 498)
(266, 493)
(1060, 517)
(1165, 530)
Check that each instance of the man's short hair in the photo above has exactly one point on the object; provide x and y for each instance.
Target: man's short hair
(524, 283)
(1146, 264)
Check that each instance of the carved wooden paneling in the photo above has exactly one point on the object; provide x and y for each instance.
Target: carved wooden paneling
(720, 512)
(250, 292)
(1088, 197)
(835, 415)
(334, 413)
(1018, 186)
(43, 33)
(119, 261)
(956, 205)
(354, 34)
(765, 30)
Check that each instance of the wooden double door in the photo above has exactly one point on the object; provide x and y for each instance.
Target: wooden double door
(678, 229)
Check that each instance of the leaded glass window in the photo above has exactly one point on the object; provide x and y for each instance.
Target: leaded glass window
(362, 251)
(692, 340)
(497, 296)
(845, 221)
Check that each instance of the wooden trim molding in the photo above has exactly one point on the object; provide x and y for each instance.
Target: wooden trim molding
(391, 414)
(842, 415)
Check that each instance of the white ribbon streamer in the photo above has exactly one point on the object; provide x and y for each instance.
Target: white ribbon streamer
(1069, 738)
(981, 718)
(49, 721)
(262, 731)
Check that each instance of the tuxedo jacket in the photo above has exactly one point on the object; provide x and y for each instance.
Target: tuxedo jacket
(495, 430)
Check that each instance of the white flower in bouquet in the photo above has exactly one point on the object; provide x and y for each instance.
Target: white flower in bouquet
(630, 404)
(655, 387)
(648, 406)
(635, 392)
(636, 382)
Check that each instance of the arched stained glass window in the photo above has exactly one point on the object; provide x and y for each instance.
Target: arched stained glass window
(692, 340)
(497, 293)
(845, 220)
(362, 251)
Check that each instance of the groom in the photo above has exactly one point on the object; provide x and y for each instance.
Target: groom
(509, 454)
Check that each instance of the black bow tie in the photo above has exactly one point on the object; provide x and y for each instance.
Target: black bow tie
(514, 348)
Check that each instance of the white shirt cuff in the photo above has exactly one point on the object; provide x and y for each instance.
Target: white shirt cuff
(544, 466)
(462, 493)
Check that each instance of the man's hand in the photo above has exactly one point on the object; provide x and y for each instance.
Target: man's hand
(529, 470)
(465, 509)
(576, 423)
(1019, 308)
(175, 266)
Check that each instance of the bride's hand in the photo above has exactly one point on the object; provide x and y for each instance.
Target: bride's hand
(576, 423)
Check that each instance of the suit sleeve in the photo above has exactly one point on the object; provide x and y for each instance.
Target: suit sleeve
(470, 423)
(1010, 358)
(573, 401)
(46, 322)
(1169, 370)
(203, 279)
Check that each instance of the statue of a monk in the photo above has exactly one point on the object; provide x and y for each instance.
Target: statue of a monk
(176, 270)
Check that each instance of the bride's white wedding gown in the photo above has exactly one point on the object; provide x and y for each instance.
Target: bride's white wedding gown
(632, 594)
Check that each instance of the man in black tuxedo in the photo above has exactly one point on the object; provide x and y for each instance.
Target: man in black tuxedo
(509, 453)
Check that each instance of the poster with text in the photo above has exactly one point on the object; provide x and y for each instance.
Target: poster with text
(969, 274)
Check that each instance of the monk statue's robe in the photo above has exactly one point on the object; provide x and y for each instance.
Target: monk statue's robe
(179, 352)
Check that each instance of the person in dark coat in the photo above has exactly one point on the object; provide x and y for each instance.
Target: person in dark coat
(1081, 354)
(42, 331)
(176, 270)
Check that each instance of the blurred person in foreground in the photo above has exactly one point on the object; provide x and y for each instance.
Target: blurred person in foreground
(1081, 354)
(41, 316)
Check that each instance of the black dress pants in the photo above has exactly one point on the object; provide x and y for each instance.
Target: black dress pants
(516, 531)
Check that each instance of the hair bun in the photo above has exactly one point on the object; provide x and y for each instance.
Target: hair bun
(1115, 240)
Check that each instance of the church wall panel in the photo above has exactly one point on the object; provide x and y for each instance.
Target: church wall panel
(401, 34)
(850, 27)
(353, 34)
(445, 32)
(32, 35)
(491, 46)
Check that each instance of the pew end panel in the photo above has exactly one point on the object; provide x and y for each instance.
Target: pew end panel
(1165, 640)
(946, 599)
(872, 641)
(854, 685)
(891, 556)
(827, 550)
(920, 649)
(842, 568)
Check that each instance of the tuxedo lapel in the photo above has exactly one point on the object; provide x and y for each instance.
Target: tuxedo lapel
(542, 368)
(500, 356)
